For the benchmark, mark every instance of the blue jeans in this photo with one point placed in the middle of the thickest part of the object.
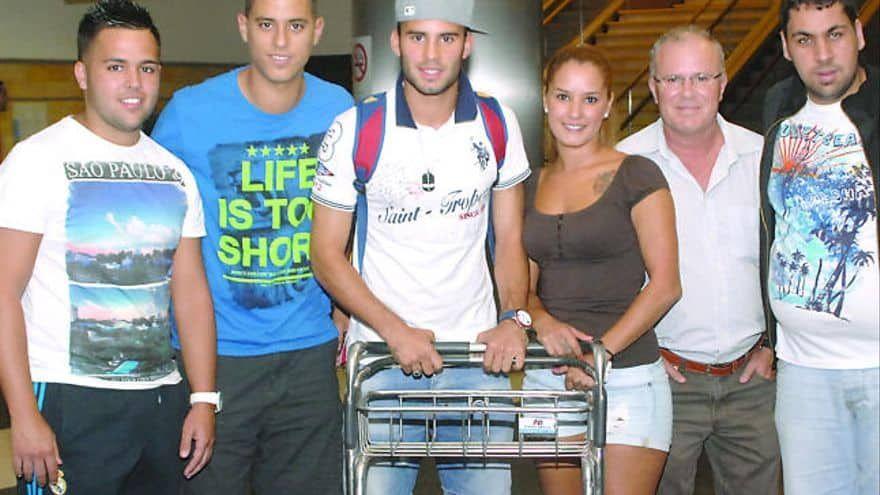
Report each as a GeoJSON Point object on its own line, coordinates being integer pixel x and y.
{"type": "Point", "coordinates": [398, 477]}
{"type": "Point", "coordinates": [829, 436]}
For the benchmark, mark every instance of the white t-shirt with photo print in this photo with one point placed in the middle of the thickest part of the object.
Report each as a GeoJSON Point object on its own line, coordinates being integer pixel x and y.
{"type": "Point", "coordinates": [97, 307]}
{"type": "Point", "coordinates": [824, 283]}
{"type": "Point", "coordinates": [428, 212]}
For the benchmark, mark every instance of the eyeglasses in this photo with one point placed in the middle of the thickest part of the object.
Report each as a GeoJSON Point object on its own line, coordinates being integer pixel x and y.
{"type": "Point", "coordinates": [698, 80]}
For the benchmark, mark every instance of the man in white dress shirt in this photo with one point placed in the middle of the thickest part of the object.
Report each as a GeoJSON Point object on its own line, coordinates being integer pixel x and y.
{"type": "Point", "coordinates": [712, 340]}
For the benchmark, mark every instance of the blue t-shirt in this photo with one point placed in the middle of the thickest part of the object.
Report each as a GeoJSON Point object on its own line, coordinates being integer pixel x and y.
{"type": "Point", "coordinates": [254, 171]}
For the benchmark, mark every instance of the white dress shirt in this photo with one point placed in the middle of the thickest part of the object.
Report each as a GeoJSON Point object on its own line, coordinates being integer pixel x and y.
{"type": "Point", "coordinates": [719, 316]}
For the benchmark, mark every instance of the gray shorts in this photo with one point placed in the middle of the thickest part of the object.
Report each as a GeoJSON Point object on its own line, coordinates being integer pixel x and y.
{"type": "Point", "coordinates": [280, 430]}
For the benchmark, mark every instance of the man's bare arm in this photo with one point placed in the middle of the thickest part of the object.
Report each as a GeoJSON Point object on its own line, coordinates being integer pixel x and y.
{"type": "Point", "coordinates": [507, 341]}
{"type": "Point", "coordinates": [194, 315]}
{"type": "Point", "coordinates": [34, 449]}
{"type": "Point", "coordinates": [511, 263]}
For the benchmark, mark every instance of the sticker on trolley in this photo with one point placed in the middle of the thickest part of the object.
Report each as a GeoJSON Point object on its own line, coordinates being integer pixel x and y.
{"type": "Point", "coordinates": [537, 426]}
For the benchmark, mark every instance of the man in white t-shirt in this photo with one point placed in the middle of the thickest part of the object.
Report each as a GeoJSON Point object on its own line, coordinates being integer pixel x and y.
{"type": "Point", "coordinates": [99, 232]}
{"type": "Point", "coordinates": [819, 254]}
{"type": "Point", "coordinates": [421, 242]}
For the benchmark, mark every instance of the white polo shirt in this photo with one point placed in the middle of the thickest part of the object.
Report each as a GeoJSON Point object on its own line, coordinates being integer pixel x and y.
{"type": "Point", "coordinates": [719, 316]}
{"type": "Point", "coordinates": [428, 212]}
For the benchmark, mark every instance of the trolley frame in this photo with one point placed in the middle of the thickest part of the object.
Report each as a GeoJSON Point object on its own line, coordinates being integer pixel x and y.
{"type": "Point", "coordinates": [478, 406]}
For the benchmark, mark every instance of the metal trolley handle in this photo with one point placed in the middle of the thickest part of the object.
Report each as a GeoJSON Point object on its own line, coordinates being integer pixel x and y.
{"type": "Point", "coordinates": [460, 353]}
{"type": "Point", "coordinates": [466, 353]}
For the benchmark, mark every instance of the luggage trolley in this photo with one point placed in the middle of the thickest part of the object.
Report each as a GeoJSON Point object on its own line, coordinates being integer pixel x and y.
{"type": "Point", "coordinates": [533, 412]}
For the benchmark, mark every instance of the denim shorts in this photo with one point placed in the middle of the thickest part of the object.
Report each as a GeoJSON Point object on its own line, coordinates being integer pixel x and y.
{"type": "Point", "coordinates": [639, 405]}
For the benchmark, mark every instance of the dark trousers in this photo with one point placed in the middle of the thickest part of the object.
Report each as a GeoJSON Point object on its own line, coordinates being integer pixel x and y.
{"type": "Point", "coordinates": [734, 423]}
{"type": "Point", "coordinates": [115, 442]}
{"type": "Point", "coordinates": [280, 430]}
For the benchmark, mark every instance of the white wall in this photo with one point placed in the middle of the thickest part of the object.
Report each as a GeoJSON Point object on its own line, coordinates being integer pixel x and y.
{"type": "Point", "coordinates": [192, 30]}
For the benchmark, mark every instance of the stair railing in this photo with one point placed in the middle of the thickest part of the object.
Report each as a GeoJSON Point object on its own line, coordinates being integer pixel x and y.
{"type": "Point", "coordinates": [869, 8]}
{"type": "Point", "coordinates": [753, 40]}
{"type": "Point", "coordinates": [552, 8]}
{"type": "Point", "coordinates": [749, 46]}
{"type": "Point", "coordinates": [633, 111]}
{"type": "Point", "coordinates": [605, 16]}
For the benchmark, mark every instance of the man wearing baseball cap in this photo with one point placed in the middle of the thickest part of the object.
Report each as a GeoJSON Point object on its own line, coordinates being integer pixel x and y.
{"type": "Point", "coordinates": [421, 273]}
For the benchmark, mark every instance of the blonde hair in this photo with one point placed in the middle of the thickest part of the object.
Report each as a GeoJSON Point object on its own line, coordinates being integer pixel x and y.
{"type": "Point", "coordinates": [678, 34]}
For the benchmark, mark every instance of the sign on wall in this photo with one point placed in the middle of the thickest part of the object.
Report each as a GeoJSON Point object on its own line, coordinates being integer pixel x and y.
{"type": "Point", "coordinates": [361, 53]}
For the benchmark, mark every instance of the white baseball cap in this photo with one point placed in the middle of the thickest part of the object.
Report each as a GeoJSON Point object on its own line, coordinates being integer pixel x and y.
{"type": "Point", "coordinates": [459, 12]}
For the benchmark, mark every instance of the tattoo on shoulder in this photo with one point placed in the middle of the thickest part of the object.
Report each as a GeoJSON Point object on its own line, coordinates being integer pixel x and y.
{"type": "Point", "coordinates": [602, 182]}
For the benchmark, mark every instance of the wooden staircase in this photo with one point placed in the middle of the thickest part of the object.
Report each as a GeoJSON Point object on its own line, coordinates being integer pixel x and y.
{"type": "Point", "coordinates": [746, 28]}
{"type": "Point", "coordinates": [744, 97]}
{"type": "Point", "coordinates": [626, 36]}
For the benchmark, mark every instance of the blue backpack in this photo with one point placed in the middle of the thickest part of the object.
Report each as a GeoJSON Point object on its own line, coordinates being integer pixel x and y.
{"type": "Point", "coordinates": [370, 137]}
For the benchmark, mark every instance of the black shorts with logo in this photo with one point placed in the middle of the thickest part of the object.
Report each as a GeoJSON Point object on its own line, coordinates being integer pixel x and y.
{"type": "Point", "coordinates": [280, 430]}
{"type": "Point", "coordinates": [114, 442]}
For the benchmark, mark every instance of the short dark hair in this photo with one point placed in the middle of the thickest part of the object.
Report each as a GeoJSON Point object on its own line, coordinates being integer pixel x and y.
{"type": "Point", "coordinates": [250, 3]}
{"type": "Point", "coordinates": [467, 30]}
{"type": "Point", "coordinates": [849, 6]}
{"type": "Point", "coordinates": [107, 14]}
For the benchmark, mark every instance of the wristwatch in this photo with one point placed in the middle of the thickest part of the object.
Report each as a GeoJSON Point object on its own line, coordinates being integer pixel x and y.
{"type": "Point", "coordinates": [519, 316]}
{"type": "Point", "coordinates": [214, 398]}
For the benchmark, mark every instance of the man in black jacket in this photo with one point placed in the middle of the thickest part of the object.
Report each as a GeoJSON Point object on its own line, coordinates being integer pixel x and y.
{"type": "Point", "coordinates": [819, 251]}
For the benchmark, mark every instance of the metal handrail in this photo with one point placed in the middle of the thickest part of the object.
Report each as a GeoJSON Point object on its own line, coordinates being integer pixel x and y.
{"type": "Point", "coordinates": [644, 101]}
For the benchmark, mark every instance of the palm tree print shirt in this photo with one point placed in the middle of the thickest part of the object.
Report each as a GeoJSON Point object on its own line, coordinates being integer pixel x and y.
{"type": "Point", "coordinates": [824, 280]}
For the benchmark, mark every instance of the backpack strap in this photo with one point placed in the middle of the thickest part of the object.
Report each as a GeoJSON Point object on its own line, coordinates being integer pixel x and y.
{"type": "Point", "coordinates": [368, 140]}
{"type": "Point", "coordinates": [496, 131]}
{"type": "Point", "coordinates": [495, 125]}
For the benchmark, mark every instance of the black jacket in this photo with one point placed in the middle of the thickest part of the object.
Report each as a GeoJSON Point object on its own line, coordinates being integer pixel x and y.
{"type": "Point", "coordinates": [783, 100]}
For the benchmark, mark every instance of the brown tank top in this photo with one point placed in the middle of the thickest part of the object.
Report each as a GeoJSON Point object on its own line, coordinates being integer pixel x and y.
{"type": "Point", "coordinates": [590, 261]}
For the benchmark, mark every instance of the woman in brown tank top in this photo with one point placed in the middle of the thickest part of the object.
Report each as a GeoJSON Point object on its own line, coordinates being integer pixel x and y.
{"type": "Point", "coordinates": [597, 221]}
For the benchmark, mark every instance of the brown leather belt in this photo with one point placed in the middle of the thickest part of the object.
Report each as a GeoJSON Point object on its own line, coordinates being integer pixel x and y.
{"type": "Point", "coordinates": [717, 369]}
